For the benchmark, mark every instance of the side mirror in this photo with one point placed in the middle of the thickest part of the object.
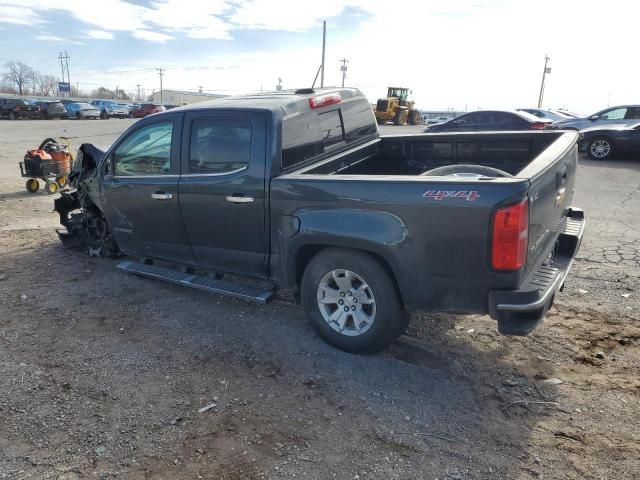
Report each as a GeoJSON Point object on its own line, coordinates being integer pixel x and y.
{"type": "Point", "coordinates": [593, 118]}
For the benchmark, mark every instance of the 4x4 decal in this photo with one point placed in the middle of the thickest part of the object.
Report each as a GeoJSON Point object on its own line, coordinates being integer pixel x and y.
{"type": "Point", "coordinates": [470, 195]}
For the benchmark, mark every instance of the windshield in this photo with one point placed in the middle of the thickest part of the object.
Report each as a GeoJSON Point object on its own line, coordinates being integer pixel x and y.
{"type": "Point", "coordinates": [398, 92]}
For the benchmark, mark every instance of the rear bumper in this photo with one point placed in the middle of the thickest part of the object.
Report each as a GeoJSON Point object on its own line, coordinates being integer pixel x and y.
{"type": "Point", "coordinates": [520, 311]}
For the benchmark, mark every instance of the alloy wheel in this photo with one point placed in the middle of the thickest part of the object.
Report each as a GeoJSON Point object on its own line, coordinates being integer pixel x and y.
{"type": "Point", "coordinates": [346, 302]}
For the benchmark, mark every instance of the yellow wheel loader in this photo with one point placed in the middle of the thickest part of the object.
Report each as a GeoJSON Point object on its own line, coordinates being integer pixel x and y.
{"type": "Point", "coordinates": [397, 108]}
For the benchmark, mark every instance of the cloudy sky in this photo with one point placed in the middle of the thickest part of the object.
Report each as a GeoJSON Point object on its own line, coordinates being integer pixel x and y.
{"type": "Point", "coordinates": [452, 53]}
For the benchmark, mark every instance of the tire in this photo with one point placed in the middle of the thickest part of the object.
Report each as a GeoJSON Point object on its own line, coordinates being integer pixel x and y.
{"type": "Point", "coordinates": [397, 118]}
{"type": "Point", "coordinates": [600, 148]}
{"type": "Point", "coordinates": [78, 116]}
{"type": "Point", "coordinates": [32, 185]}
{"type": "Point", "coordinates": [378, 301]}
{"type": "Point", "coordinates": [104, 115]}
{"type": "Point", "coordinates": [12, 115]}
{"type": "Point", "coordinates": [62, 180]}
{"type": "Point", "coordinates": [414, 117]}
{"type": "Point", "coordinates": [51, 187]}
{"type": "Point", "coordinates": [130, 115]}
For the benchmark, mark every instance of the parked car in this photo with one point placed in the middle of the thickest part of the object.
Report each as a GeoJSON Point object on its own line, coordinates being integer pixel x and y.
{"type": "Point", "coordinates": [81, 110]}
{"type": "Point", "coordinates": [601, 143]}
{"type": "Point", "coordinates": [433, 121]}
{"type": "Point", "coordinates": [14, 108]}
{"type": "Point", "coordinates": [145, 109]}
{"type": "Point", "coordinates": [621, 115]}
{"type": "Point", "coordinates": [51, 109]}
{"type": "Point", "coordinates": [544, 113]}
{"type": "Point", "coordinates": [566, 113]}
{"type": "Point", "coordinates": [110, 108]}
{"type": "Point", "coordinates": [491, 120]}
{"type": "Point", "coordinates": [299, 190]}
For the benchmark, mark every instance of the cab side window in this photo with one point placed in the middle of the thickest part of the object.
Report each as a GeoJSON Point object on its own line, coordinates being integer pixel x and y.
{"type": "Point", "coordinates": [146, 152]}
{"type": "Point", "coordinates": [219, 145]}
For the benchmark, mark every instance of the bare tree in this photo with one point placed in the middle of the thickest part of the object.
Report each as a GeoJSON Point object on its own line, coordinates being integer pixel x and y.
{"type": "Point", "coordinates": [47, 85]}
{"type": "Point", "coordinates": [19, 74]}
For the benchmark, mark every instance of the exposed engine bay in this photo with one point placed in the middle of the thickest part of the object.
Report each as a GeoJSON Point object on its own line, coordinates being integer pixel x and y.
{"type": "Point", "coordinates": [85, 226]}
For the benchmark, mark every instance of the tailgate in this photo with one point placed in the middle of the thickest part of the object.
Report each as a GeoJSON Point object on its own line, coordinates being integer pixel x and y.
{"type": "Point", "coordinates": [552, 178]}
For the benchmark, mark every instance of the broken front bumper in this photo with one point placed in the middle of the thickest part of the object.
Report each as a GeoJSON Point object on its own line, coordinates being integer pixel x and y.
{"type": "Point", "coordinates": [520, 311]}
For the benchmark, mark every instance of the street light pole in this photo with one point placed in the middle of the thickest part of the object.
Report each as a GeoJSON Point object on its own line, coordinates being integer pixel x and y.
{"type": "Point", "coordinates": [544, 73]}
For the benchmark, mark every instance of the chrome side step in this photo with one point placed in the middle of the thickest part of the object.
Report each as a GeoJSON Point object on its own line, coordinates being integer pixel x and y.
{"type": "Point", "coordinates": [198, 281]}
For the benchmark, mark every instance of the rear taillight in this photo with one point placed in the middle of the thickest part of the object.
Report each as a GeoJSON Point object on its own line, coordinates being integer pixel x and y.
{"type": "Point", "coordinates": [325, 100]}
{"type": "Point", "coordinates": [538, 125]}
{"type": "Point", "coordinates": [510, 237]}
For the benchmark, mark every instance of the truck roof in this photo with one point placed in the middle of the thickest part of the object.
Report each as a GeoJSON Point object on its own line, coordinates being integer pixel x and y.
{"type": "Point", "coordinates": [288, 101]}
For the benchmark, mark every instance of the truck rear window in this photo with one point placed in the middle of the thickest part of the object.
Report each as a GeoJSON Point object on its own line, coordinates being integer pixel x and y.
{"type": "Point", "coordinates": [313, 134]}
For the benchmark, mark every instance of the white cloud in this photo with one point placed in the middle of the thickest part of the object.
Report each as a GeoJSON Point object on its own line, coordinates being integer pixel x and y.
{"type": "Point", "coordinates": [287, 15]}
{"type": "Point", "coordinates": [17, 14]}
{"type": "Point", "coordinates": [49, 38]}
{"type": "Point", "coordinates": [100, 35]}
{"type": "Point", "coordinates": [194, 18]}
{"type": "Point", "coordinates": [150, 36]}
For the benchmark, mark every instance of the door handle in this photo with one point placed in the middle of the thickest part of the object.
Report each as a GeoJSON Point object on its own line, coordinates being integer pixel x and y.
{"type": "Point", "coordinates": [161, 196]}
{"type": "Point", "coordinates": [239, 199]}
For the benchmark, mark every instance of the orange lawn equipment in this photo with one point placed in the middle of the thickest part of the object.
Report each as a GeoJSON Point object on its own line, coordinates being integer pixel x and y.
{"type": "Point", "coordinates": [50, 162]}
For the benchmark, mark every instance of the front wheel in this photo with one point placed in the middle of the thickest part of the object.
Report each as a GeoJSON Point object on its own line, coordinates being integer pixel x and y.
{"type": "Point", "coordinates": [32, 185]}
{"type": "Point", "coordinates": [600, 148]}
{"type": "Point", "coordinates": [414, 117]}
{"type": "Point", "coordinates": [351, 301]}
{"type": "Point", "coordinates": [51, 187]}
{"type": "Point", "coordinates": [12, 116]}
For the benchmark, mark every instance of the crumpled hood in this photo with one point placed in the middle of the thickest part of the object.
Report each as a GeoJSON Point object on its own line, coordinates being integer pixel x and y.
{"type": "Point", "coordinates": [85, 162]}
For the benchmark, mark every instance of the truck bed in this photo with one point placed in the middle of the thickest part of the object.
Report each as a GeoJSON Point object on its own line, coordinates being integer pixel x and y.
{"type": "Point", "coordinates": [417, 154]}
{"type": "Point", "coordinates": [374, 199]}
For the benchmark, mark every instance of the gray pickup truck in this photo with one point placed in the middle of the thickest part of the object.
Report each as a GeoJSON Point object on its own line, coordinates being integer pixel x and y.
{"type": "Point", "coordinates": [297, 190]}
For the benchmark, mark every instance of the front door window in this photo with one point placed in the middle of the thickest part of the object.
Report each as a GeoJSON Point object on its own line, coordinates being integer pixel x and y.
{"type": "Point", "coordinates": [147, 152]}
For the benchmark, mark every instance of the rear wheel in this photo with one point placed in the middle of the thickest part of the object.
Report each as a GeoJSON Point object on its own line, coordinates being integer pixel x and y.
{"type": "Point", "coordinates": [351, 301]}
{"type": "Point", "coordinates": [32, 185]}
{"type": "Point", "coordinates": [600, 148]}
{"type": "Point", "coordinates": [51, 187]}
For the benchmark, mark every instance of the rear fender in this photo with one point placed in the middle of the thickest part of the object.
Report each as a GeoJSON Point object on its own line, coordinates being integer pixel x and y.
{"type": "Point", "coordinates": [380, 233]}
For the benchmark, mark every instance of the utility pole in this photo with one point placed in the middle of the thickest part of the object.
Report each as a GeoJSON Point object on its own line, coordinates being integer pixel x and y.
{"type": "Point", "coordinates": [64, 65]}
{"type": "Point", "coordinates": [160, 73]}
{"type": "Point", "coordinates": [544, 74]}
{"type": "Point", "coordinates": [343, 69]}
{"type": "Point", "coordinates": [324, 43]}
{"type": "Point", "coordinates": [138, 85]}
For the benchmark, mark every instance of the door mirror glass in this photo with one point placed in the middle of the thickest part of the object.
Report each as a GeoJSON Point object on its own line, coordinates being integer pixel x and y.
{"type": "Point", "coordinates": [593, 118]}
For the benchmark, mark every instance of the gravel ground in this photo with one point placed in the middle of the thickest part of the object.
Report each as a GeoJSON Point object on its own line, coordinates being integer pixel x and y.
{"type": "Point", "coordinates": [103, 375]}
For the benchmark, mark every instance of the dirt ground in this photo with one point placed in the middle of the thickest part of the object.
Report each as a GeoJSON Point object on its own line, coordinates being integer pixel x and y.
{"type": "Point", "coordinates": [103, 375]}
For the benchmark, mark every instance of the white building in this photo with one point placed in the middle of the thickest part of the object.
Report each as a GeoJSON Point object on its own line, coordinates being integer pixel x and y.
{"type": "Point", "coordinates": [182, 97]}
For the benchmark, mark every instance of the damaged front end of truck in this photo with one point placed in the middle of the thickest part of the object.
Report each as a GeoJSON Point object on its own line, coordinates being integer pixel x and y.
{"type": "Point", "coordinates": [84, 226]}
